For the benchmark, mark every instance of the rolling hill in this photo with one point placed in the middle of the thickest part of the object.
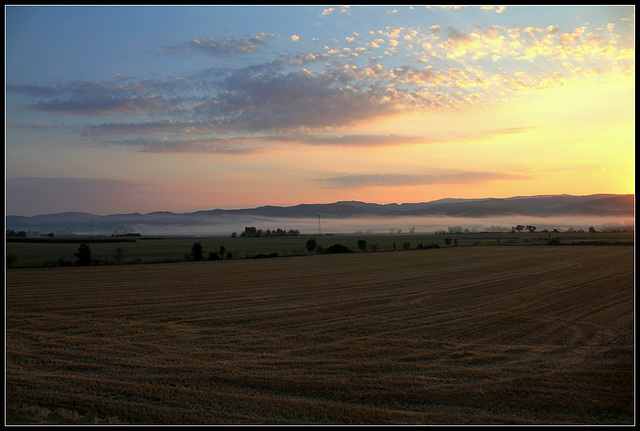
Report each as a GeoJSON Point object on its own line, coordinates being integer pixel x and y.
{"type": "Point", "coordinates": [599, 205]}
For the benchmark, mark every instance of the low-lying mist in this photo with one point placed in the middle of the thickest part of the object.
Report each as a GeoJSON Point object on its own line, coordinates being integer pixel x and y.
{"type": "Point", "coordinates": [226, 225]}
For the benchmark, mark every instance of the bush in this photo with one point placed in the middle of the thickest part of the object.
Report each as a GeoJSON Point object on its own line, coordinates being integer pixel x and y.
{"type": "Point", "coordinates": [554, 241]}
{"type": "Point", "coordinates": [339, 248]}
{"type": "Point", "coordinates": [119, 256]}
{"type": "Point", "coordinates": [264, 256]}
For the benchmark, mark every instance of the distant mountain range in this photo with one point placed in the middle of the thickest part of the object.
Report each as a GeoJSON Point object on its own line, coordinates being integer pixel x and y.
{"type": "Point", "coordinates": [599, 205]}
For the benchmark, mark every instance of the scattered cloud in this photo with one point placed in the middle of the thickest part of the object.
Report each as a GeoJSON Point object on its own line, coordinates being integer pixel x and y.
{"type": "Point", "coordinates": [496, 9]}
{"type": "Point", "coordinates": [333, 87]}
{"type": "Point", "coordinates": [230, 45]}
{"type": "Point", "coordinates": [294, 101]}
{"type": "Point", "coordinates": [331, 10]}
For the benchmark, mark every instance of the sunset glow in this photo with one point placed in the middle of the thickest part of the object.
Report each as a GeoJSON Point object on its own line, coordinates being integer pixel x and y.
{"type": "Point", "coordinates": [156, 108]}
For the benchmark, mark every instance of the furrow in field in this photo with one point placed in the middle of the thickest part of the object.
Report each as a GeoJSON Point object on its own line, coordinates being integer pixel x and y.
{"type": "Point", "coordinates": [477, 335]}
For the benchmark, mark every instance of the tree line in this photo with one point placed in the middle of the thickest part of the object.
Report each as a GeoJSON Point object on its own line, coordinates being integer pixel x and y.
{"type": "Point", "coordinates": [253, 232]}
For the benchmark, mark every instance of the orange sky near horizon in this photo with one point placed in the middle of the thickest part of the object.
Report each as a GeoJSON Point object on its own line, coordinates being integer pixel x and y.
{"type": "Point", "coordinates": [565, 140]}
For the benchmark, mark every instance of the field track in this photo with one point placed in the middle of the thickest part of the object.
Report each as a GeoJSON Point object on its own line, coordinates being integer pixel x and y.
{"type": "Point", "coordinates": [478, 335]}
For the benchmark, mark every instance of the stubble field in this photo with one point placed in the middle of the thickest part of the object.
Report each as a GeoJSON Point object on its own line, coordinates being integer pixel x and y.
{"type": "Point", "coordinates": [468, 335]}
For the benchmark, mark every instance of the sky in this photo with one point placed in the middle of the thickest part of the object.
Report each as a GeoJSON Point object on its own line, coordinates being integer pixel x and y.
{"type": "Point", "coordinates": [121, 109]}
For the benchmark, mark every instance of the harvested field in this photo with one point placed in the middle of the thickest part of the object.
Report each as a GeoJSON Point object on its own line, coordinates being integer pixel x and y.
{"type": "Point", "coordinates": [478, 335]}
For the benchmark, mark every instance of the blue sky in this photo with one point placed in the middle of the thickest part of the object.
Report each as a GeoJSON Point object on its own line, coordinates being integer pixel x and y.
{"type": "Point", "coordinates": [124, 109]}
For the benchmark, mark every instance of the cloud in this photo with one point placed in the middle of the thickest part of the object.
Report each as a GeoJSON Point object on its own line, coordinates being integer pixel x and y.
{"type": "Point", "coordinates": [331, 10]}
{"type": "Point", "coordinates": [32, 126]}
{"type": "Point", "coordinates": [460, 44]}
{"type": "Point", "coordinates": [164, 144]}
{"type": "Point", "coordinates": [511, 130]}
{"type": "Point", "coordinates": [98, 98]}
{"type": "Point", "coordinates": [148, 127]}
{"type": "Point", "coordinates": [351, 140]}
{"type": "Point", "coordinates": [397, 180]}
{"type": "Point", "coordinates": [230, 45]}
{"type": "Point", "coordinates": [232, 146]}
{"type": "Point", "coordinates": [314, 91]}
{"type": "Point", "coordinates": [32, 90]}
{"type": "Point", "coordinates": [98, 106]}
{"type": "Point", "coordinates": [497, 9]}
{"type": "Point", "coordinates": [297, 100]}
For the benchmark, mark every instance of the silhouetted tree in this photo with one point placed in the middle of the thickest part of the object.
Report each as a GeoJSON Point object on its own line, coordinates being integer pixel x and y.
{"type": "Point", "coordinates": [311, 244]}
{"type": "Point", "coordinates": [196, 251]}
{"type": "Point", "coordinates": [83, 255]}
{"type": "Point", "coordinates": [249, 232]}
{"type": "Point", "coordinates": [12, 233]}
{"type": "Point", "coordinates": [222, 250]}
{"type": "Point", "coordinates": [362, 244]}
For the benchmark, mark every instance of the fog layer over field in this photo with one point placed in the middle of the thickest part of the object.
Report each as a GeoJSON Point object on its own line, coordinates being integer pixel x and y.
{"type": "Point", "coordinates": [225, 225]}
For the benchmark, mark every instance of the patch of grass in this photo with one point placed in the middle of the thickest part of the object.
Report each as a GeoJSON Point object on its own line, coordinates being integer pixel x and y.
{"type": "Point", "coordinates": [106, 251]}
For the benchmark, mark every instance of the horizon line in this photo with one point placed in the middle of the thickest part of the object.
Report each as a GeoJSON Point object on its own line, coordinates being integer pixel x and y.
{"type": "Point", "coordinates": [317, 203]}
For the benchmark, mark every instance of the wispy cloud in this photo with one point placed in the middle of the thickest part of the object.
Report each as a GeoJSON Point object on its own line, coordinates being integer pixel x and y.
{"type": "Point", "coordinates": [96, 98]}
{"type": "Point", "coordinates": [32, 90]}
{"type": "Point", "coordinates": [397, 180]}
{"type": "Point", "coordinates": [351, 140]}
{"type": "Point", "coordinates": [172, 144]}
{"type": "Point", "coordinates": [184, 128]}
{"type": "Point", "coordinates": [235, 146]}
